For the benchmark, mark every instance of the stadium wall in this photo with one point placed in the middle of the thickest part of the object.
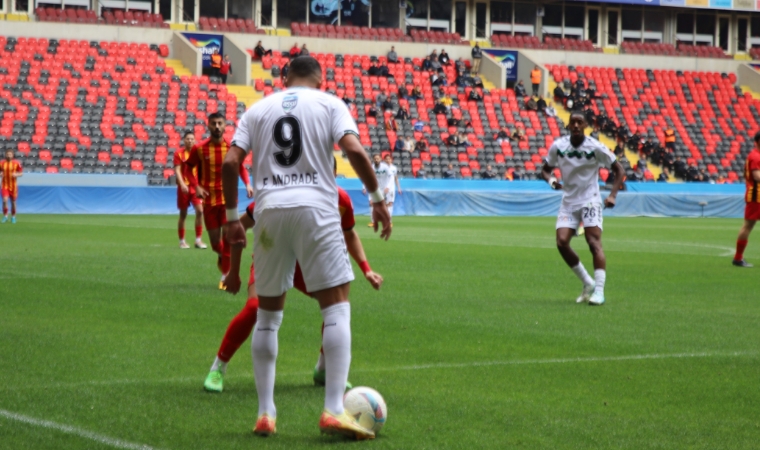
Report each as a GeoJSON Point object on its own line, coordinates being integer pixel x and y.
{"type": "Point", "coordinates": [419, 198]}
{"type": "Point", "coordinates": [493, 71]}
{"type": "Point", "coordinates": [240, 60]}
{"type": "Point", "coordinates": [749, 76]}
{"type": "Point", "coordinates": [186, 52]}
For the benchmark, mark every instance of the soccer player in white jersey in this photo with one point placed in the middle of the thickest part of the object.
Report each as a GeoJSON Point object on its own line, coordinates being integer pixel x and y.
{"type": "Point", "coordinates": [381, 173]}
{"type": "Point", "coordinates": [392, 184]}
{"type": "Point", "coordinates": [292, 134]}
{"type": "Point", "coordinates": [579, 158]}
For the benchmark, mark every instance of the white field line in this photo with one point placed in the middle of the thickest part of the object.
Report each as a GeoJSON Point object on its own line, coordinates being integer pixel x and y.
{"type": "Point", "coordinates": [100, 438]}
{"type": "Point", "coordinates": [517, 362]}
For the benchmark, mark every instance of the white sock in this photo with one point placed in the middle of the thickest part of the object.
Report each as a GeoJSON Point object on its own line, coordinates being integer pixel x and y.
{"type": "Point", "coordinates": [181, 241]}
{"type": "Point", "coordinates": [320, 362]}
{"type": "Point", "coordinates": [601, 277]}
{"type": "Point", "coordinates": [336, 343]}
{"type": "Point", "coordinates": [390, 210]}
{"type": "Point", "coordinates": [219, 365]}
{"type": "Point", "coordinates": [198, 239]}
{"type": "Point", "coordinates": [582, 274]}
{"type": "Point", "coordinates": [264, 351]}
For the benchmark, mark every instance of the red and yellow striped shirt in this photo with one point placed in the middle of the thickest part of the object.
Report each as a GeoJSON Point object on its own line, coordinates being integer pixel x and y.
{"type": "Point", "coordinates": [752, 164]}
{"type": "Point", "coordinates": [208, 158]}
{"type": "Point", "coordinates": [8, 168]}
{"type": "Point", "coordinates": [180, 157]}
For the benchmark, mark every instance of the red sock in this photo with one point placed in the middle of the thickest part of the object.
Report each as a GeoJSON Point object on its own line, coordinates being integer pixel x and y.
{"type": "Point", "coordinates": [239, 329]}
{"type": "Point", "coordinates": [217, 247]}
{"type": "Point", "coordinates": [181, 233]}
{"type": "Point", "coordinates": [741, 244]}
{"type": "Point", "coordinates": [198, 232]}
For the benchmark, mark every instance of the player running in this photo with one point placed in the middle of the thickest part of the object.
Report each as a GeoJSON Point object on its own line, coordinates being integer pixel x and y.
{"type": "Point", "coordinates": [393, 183]}
{"type": "Point", "coordinates": [208, 157]}
{"type": "Point", "coordinates": [186, 193]}
{"type": "Point", "coordinates": [292, 134]}
{"type": "Point", "coordinates": [752, 197]}
{"type": "Point", "coordinates": [579, 158]}
{"type": "Point", "coordinates": [381, 173]}
{"type": "Point", "coordinates": [241, 326]}
{"type": "Point", "coordinates": [10, 170]}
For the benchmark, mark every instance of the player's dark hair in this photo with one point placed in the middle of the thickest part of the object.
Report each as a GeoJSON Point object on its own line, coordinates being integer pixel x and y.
{"type": "Point", "coordinates": [305, 67]}
{"type": "Point", "coordinates": [579, 114]}
{"type": "Point", "coordinates": [757, 136]}
{"type": "Point", "coordinates": [214, 116]}
{"type": "Point", "coordinates": [189, 132]}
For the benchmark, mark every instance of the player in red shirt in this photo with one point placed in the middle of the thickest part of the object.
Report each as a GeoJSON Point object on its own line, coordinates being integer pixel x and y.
{"type": "Point", "coordinates": [752, 197]}
{"type": "Point", "coordinates": [10, 170]}
{"type": "Point", "coordinates": [241, 326]}
{"type": "Point", "coordinates": [186, 193]}
{"type": "Point", "coordinates": [208, 157]}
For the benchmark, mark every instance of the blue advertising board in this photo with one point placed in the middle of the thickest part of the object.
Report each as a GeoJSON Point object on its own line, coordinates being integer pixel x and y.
{"type": "Point", "coordinates": [508, 59]}
{"type": "Point", "coordinates": [207, 43]}
{"type": "Point", "coordinates": [720, 3]}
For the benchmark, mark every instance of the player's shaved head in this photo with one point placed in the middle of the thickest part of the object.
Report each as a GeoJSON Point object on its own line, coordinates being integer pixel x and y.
{"type": "Point", "coordinates": [304, 71]}
{"type": "Point", "coordinates": [757, 137]}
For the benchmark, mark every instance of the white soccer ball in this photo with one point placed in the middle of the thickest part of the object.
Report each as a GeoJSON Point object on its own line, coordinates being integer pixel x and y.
{"type": "Point", "coordinates": [367, 406]}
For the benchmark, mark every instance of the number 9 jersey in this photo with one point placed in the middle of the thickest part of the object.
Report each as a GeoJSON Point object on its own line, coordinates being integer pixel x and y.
{"type": "Point", "coordinates": [292, 135]}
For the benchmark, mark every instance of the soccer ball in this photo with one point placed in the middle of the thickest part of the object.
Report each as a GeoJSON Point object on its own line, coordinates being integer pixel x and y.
{"type": "Point", "coordinates": [367, 406]}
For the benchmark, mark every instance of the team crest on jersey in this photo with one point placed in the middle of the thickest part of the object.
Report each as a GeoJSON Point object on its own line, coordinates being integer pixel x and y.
{"type": "Point", "coordinates": [289, 103]}
{"type": "Point", "coordinates": [576, 154]}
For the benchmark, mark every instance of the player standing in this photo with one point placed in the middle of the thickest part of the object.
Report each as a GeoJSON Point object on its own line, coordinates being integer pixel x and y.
{"type": "Point", "coordinates": [292, 134]}
{"type": "Point", "coordinates": [208, 157]}
{"type": "Point", "coordinates": [579, 158]}
{"type": "Point", "coordinates": [241, 326]}
{"type": "Point", "coordinates": [392, 184]}
{"type": "Point", "coordinates": [752, 197]}
{"type": "Point", "coordinates": [10, 170]}
{"type": "Point", "coordinates": [186, 192]}
{"type": "Point", "coordinates": [381, 173]}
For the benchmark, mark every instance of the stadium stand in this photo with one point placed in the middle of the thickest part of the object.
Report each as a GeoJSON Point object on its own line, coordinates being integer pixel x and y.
{"type": "Point", "coordinates": [711, 116]}
{"type": "Point", "coordinates": [100, 107]}
{"type": "Point", "coordinates": [374, 34]}
{"type": "Point", "coordinates": [699, 51]}
{"type": "Point", "coordinates": [117, 17]}
{"type": "Point", "coordinates": [550, 43]}
{"type": "Point", "coordinates": [229, 25]}
{"type": "Point", "coordinates": [345, 75]}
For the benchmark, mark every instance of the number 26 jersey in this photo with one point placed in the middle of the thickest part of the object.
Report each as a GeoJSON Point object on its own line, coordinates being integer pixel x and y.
{"type": "Point", "coordinates": [292, 134]}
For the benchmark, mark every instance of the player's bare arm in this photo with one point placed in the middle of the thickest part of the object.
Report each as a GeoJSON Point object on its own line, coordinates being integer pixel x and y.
{"type": "Point", "coordinates": [230, 173]}
{"type": "Point", "coordinates": [360, 162]}
{"type": "Point", "coordinates": [756, 175]}
{"type": "Point", "coordinates": [398, 185]}
{"type": "Point", "coordinates": [356, 250]}
{"type": "Point", "coordinates": [617, 168]}
{"type": "Point", "coordinates": [180, 181]}
{"type": "Point", "coordinates": [548, 176]}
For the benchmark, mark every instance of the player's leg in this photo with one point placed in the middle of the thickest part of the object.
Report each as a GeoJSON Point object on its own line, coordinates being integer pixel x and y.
{"type": "Point", "coordinates": [198, 206]}
{"type": "Point", "coordinates": [5, 207]}
{"type": "Point", "coordinates": [181, 228]}
{"type": "Point", "coordinates": [594, 240]}
{"type": "Point", "coordinates": [371, 219]}
{"type": "Point", "coordinates": [567, 223]}
{"type": "Point", "coordinates": [13, 209]}
{"type": "Point", "coordinates": [237, 332]}
{"type": "Point", "coordinates": [390, 208]}
{"type": "Point", "coordinates": [741, 243]}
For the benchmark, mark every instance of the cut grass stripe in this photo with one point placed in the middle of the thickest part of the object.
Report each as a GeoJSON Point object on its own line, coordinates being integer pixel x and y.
{"type": "Point", "coordinates": [102, 439]}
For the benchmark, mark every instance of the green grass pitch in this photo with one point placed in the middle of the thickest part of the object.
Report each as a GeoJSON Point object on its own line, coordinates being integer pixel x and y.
{"type": "Point", "coordinates": [475, 340]}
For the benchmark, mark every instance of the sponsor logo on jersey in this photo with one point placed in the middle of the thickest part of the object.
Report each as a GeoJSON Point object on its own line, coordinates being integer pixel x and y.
{"type": "Point", "coordinates": [289, 103]}
{"type": "Point", "coordinates": [576, 154]}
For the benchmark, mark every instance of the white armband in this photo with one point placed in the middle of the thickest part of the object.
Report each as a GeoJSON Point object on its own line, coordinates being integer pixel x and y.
{"type": "Point", "coordinates": [552, 180]}
{"type": "Point", "coordinates": [232, 214]}
{"type": "Point", "coordinates": [377, 196]}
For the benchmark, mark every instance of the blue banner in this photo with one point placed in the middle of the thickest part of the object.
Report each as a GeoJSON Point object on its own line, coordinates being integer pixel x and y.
{"type": "Point", "coordinates": [207, 43]}
{"type": "Point", "coordinates": [672, 2]}
{"type": "Point", "coordinates": [508, 59]}
{"type": "Point", "coordinates": [720, 4]}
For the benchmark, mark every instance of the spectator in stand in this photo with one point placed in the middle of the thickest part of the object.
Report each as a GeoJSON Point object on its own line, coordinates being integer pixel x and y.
{"type": "Point", "coordinates": [426, 63]}
{"type": "Point", "coordinates": [402, 113]}
{"type": "Point", "coordinates": [489, 173]}
{"type": "Point", "coordinates": [647, 148]}
{"type": "Point", "coordinates": [285, 70]}
{"type": "Point", "coordinates": [550, 110]}
{"type": "Point", "coordinates": [435, 64]}
{"type": "Point", "coordinates": [383, 71]}
{"type": "Point", "coordinates": [520, 90]}
{"type": "Point", "coordinates": [670, 139]}
{"type": "Point", "coordinates": [304, 50]}
{"type": "Point", "coordinates": [462, 80]}
{"type": "Point", "coordinates": [373, 70]}
{"type": "Point", "coordinates": [509, 174]}
{"type": "Point", "coordinates": [588, 111]}
{"type": "Point", "coordinates": [419, 126]}
{"type": "Point", "coordinates": [216, 63]}
{"type": "Point", "coordinates": [535, 79]}
{"type": "Point", "coordinates": [619, 150]}
{"type": "Point", "coordinates": [421, 173]}
{"type": "Point", "coordinates": [680, 168]}
{"type": "Point", "coordinates": [449, 172]}
{"type": "Point", "coordinates": [259, 51]}
{"type": "Point", "coordinates": [475, 96]}
{"type": "Point", "coordinates": [372, 111]}
{"type": "Point", "coordinates": [668, 161]}
{"type": "Point", "coordinates": [531, 104]}
{"type": "Point", "coordinates": [692, 173]}
{"type": "Point", "coordinates": [417, 93]}
{"type": "Point", "coordinates": [559, 94]}
{"type": "Point", "coordinates": [477, 82]}
{"type": "Point", "coordinates": [663, 178]}
{"type": "Point", "coordinates": [225, 69]}
{"type": "Point", "coordinates": [463, 141]}
{"type": "Point", "coordinates": [387, 104]}
{"type": "Point", "coordinates": [440, 108]}
{"type": "Point", "coordinates": [409, 144]}
{"type": "Point", "coordinates": [541, 104]}
{"type": "Point", "coordinates": [518, 135]}
{"type": "Point", "coordinates": [453, 140]}
{"type": "Point", "coordinates": [477, 54]}
{"type": "Point", "coordinates": [502, 135]}
{"type": "Point", "coordinates": [294, 51]}
{"type": "Point", "coordinates": [347, 100]}
{"type": "Point", "coordinates": [460, 65]}
{"type": "Point", "coordinates": [438, 78]}
{"type": "Point", "coordinates": [446, 101]}
{"type": "Point", "coordinates": [390, 124]}
{"type": "Point", "coordinates": [444, 58]}
{"type": "Point", "coordinates": [392, 56]}
{"type": "Point", "coordinates": [403, 93]}
{"type": "Point", "coordinates": [421, 146]}
{"type": "Point", "coordinates": [400, 145]}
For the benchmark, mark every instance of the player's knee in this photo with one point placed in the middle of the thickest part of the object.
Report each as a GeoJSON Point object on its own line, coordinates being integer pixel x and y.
{"type": "Point", "coordinates": [563, 242]}
{"type": "Point", "coordinates": [595, 246]}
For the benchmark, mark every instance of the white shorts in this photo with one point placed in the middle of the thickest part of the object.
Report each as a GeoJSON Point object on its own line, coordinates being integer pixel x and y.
{"type": "Point", "coordinates": [390, 197]}
{"type": "Point", "coordinates": [590, 215]}
{"type": "Point", "coordinates": [311, 236]}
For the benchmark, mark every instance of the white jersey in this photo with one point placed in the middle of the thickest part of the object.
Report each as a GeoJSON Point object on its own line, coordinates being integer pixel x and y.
{"type": "Point", "coordinates": [292, 135]}
{"type": "Point", "coordinates": [580, 169]}
{"type": "Point", "coordinates": [382, 172]}
{"type": "Point", "coordinates": [392, 174]}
